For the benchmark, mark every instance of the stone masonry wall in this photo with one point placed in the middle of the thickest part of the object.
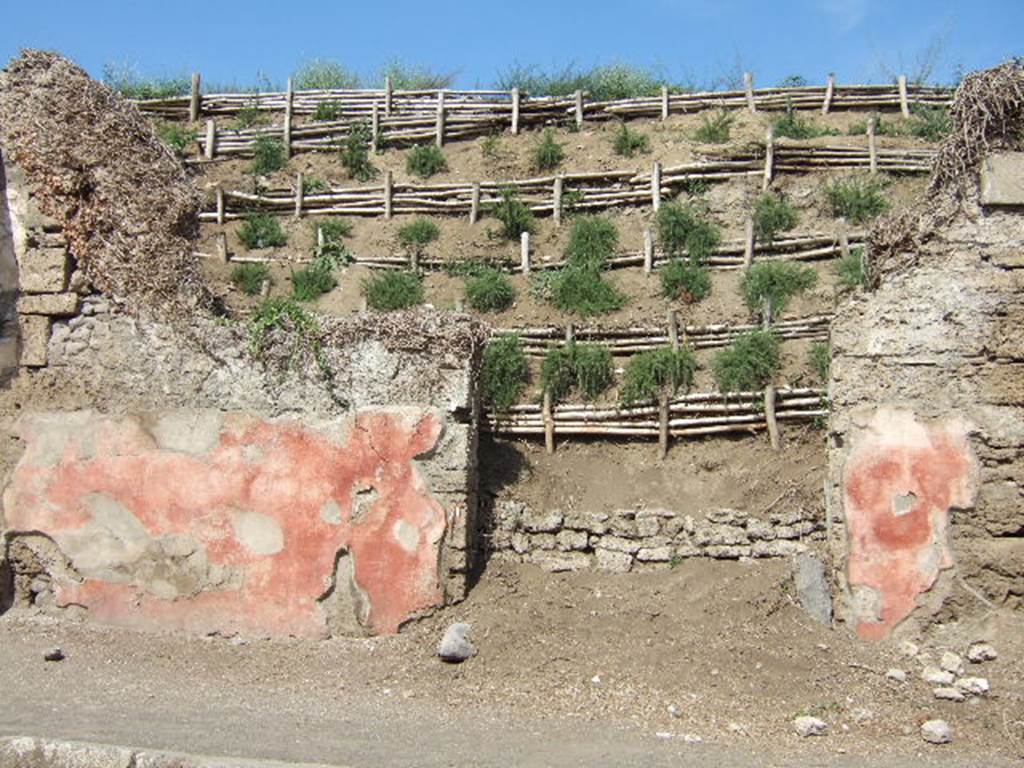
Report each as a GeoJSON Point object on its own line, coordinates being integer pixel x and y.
{"type": "Point", "coordinates": [644, 539]}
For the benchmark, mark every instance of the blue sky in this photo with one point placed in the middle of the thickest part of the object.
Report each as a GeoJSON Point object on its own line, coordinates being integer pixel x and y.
{"type": "Point", "coordinates": [695, 40]}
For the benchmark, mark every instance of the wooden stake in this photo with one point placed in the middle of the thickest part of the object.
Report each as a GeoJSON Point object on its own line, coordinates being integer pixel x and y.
{"type": "Point", "coordinates": [663, 424]}
{"type": "Point", "coordinates": [673, 329]}
{"type": "Point", "coordinates": [474, 203]}
{"type": "Point", "coordinates": [414, 260]}
{"type": "Point", "coordinates": [872, 149]}
{"type": "Point", "coordinates": [579, 109]}
{"type": "Point", "coordinates": [220, 204]}
{"type": "Point", "coordinates": [556, 201]}
{"type": "Point", "coordinates": [222, 247]}
{"type": "Point", "coordinates": [664, 102]}
{"type": "Point", "coordinates": [299, 195]}
{"type": "Point", "coordinates": [460, 305]}
{"type": "Point", "coordinates": [830, 87]}
{"type": "Point", "coordinates": [549, 424]}
{"type": "Point", "coordinates": [904, 102]}
{"type": "Point", "coordinates": [363, 306]}
{"type": "Point", "coordinates": [289, 103]}
{"type": "Point", "coordinates": [264, 289]}
{"type": "Point", "coordinates": [648, 251]}
{"type": "Point", "coordinates": [748, 86]}
{"type": "Point", "coordinates": [387, 95]}
{"type": "Point", "coordinates": [766, 312]}
{"type": "Point", "coordinates": [388, 183]}
{"type": "Point", "coordinates": [195, 103]}
{"type": "Point", "coordinates": [769, 158]}
{"type": "Point", "coordinates": [656, 186]}
{"type": "Point", "coordinates": [515, 111]}
{"type": "Point", "coordinates": [844, 245]}
{"type": "Point", "coordinates": [320, 241]}
{"type": "Point", "coordinates": [211, 138]}
{"type": "Point", "coordinates": [439, 128]}
{"type": "Point", "coordinates": [570, 333]}
{"type": "Point", "coordinates": [748, 243]}
{"type": "Point", "coordinates": [769, 416]}
{"type": "Point", "coordinates": [524, 252]}
{"type": "Point", "coordinates": [375, 129]}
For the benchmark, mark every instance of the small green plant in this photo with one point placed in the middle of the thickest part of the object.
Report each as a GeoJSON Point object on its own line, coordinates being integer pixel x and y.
{"type": "Point", "coordinates": [773, 214]}
{"type": "Point", "coordinates": [425, 160]}
{"type": "Point", "coordinates": [127, 81]}
{"type": "Point", "coordinates": [490, 146]}
{"type": "Point", "coordinates": [268, 155]}
{"type": "Point", "coordinates": [611, 81]}
{"type": "Point", "coordinates": [883, 127]}
{"type": "Point", "coordinates": [418, 234]}
{"type": "Point", "coordinates": [312, 282]}
{"type": "Point", "coordinates": [326, 111]}
{"type": "Point", "coordinates": [312, 185]}
{"type": "Point", "coordinates": [334, 229]}
{"type": "Point", "coordinates": [649, 373]}
{"type": "Point", "coordinates": [930, 123]}
{"type": "Point", "coordinates": [850, 269]}
{"type": "Point", "coordinates": [682, 227]}
{"type": "Point", "coordinates": [355, 152]}
{"type": "Point", "coordinates": [249, 277]}
{"type": "Point", "coordinates": [323, 74]}
{"type": "Point", "coordinates": [392, 290]}
{"type": "Point", "coordinates": [415, 77]}
{"type": "Point", "coordinates": [469, 267]}
{"type": "Point", "coordinates": [749, 363]}
{"type": "Point", "coordinates": [792, 125]}
{"type": "Point", "coordinates": [571, 198]}
{"type": "Point", "coordinates": [280, 313]}
{"type": "Point", "coordinates": [628, 142]}
{"type": "Point", "coordinates": [515, 215]}
{"type": "Point", "coordinates": [249, 116]}
{"type": "Point", "coordinates": [777, 281]}
{"type": "Point", "coordinates": [858, 199]}
{"type": "Point", "coordinates": [685, 280]}
{"type": "Point", "coordinates": [715, 128]}
{"type": "Point", "coordinates": [582, 291]}
{"type": "Point", "coordinates": [819, 357]}
{"type": "Point", "coordinates": [489, 291]}
{"type": "Point", "coordinates": [503, 372]}
{"type": "Point", "coordinates": [175, 136]}
{"type": "Point", "coordinates": [587, 367]}
{"type": "Point", "coordinates": [592, 241]}
{"type": "Point", "coordinates": [261, 230]}
{"type": "Point", "coordinates": [548, 153]}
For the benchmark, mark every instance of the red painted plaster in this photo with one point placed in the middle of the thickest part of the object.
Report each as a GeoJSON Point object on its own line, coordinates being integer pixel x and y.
{"type": "Point", "coordinates": [900, 555]}
{"type": "Point", "coordinates": [282, 469]}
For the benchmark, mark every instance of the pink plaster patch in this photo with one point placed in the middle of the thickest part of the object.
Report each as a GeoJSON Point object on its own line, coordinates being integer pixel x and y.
{"type": "Point", "coordinates": [263, 511]}
{"type": "Point", "coordinates": [900, 481]}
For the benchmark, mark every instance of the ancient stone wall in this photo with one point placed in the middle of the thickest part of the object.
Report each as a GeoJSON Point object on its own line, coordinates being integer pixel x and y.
{"type": "Point", "coordinates": [644, 539]}
{"type": "Point", "coordinates": [927, 431]}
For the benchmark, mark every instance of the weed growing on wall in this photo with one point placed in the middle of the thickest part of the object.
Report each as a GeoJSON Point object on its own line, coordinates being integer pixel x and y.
{"type": "Point", "coordinates": [503, 372]}
{"type": "Point", "coordinates": [547, 153]}
{"type": "Point", "coordinates": [749, 363]}
{"type": "Point", "coordinates": [773, 214]}
{"type": "Point", "coordinates": [261, 230]}
{"type": "Point", "coordinates": [489, 290]}
{"type": "Point", "coordinates": [249, 277]}
{"type": "Point", "coordinates": [686, 281]}
{"type": "Point", "coordinates": [778, 281]}
{"type": "Point", "coordinates": [391, 290]}
{"type": "Point", "coordinates": [858, 199]}
{"type": "Point", "coordinates": [649, 373]}
{"type": "Point", "coordinates": [424, 160]}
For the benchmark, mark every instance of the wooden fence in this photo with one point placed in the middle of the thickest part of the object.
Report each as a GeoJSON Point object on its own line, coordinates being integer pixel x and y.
{"type": "Point", "coordinates": [548, 195]}
{"type": "Point", "coordinates": [406, 116]}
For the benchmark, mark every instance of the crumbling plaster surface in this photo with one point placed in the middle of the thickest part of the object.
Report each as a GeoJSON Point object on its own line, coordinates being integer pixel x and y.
{"type": "Point", "coordinates": [927, 398]}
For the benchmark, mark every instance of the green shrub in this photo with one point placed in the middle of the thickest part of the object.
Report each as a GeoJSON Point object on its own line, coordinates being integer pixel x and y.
{"type": "Point", "coordinates": [334, 229]}
{"type": "Point", "coordinates": [174, 135]}
{"type": "Point", "coordinates": [249, 277]}
{"type": "Point", "coordinates": [418, 233]}
{"type": "Point", "coordinates": [613, 81]}
{"type": "Point", "coordinates": [883, 127]}
{"type": "Point", "coordinates": [425, 160]}
{"type": "Point", "coordinates": [587, 367]}
{"type": "Point", "coordinates": [327, 111]}
{"type": "Point", "coordinates": [548, 153]}
{"type": "Point", "coordinates": [489, 291]}
{"type": "Point", "coordinates": [649, 373]}
{"type": "Point", "coordinates": [681, 226]}
{"type": "Point", "coordinates": [415, 77]}
{"type": "Point", "coordinates": [515, 215]}
{"type": "Point", "coordinates": [820, 357]}
{"type": "Point", "coordinates": [249, 116]}
{"type": "Point", "coordinates": [323, 74]}
{"type": "Point", "coordinates": [930, 123]}
{"type": "Point", "coordinates": [503, 372]}
{"type": "Point", "coordinates": [280, 312]}
{"type": "Point", "coordinates": [124, 79]}
{"type": "Point", "coordinates": [582, 291]}
{"type": "Point", "coordinates": [261, 230]}
{"type": "Point", "coordinates": [310, 283]}
{"type": "Point", "coordinates": [773, 214]}
{"type": "Point", "coordinates": [715, 128]}
{"type": "Point", "coordinates": [269, 156]}
{"type": "Point", "coordinates": [778, 281]}
{"type": "Point", "coordinates": [468, 267]}
{"type": "Point", "coordinates": [685, 280]}
{"type": "Point", "coordinates": [792, 125]}
{"type": "Point", "coordinates": [312, 185]}
{"type": "Point", "coordinates": [355, 152]}
{"type": "Point", "coordinates": [749, 363]}
{"type": "Point", "coordinates": [858, 199]}
{"type": "Point", "coordinates": [850, 269]}
{"type": "Point", "coordinates": [592, 241]}
{"type": "Point", "coordinates": [628, 142]}
{"type": "Point", "coordinates": [393, 290]}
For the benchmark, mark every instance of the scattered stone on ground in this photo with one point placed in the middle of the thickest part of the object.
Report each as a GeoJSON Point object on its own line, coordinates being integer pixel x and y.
{"type": "Point", "coordinates": [674, 710]}
{"type": "Point", "coordinates": [805, 726]}
{"type": "Point", "coordinates": [936, 732]}
{"type": "Point", "coordinates": [812, 587]}
{"type": "Point", "coordinates": [54, 654]}
{"type": "Point", "coordinates": [897, 675]}
{"type": "Point", "coordinates": [976, 686]}
{"type": "Point", "coordinates": [949, 694]}
{"type": "Point", "coordinates": [455, 646]}
{"type": "Point", "coordinates": [980, 652]}
{"type": "Point", "coordinates": [951, 662]}
{"type": "Point", "coordinates": [909, 649]}
{"type": "Point", "coordinates": [936, 676]}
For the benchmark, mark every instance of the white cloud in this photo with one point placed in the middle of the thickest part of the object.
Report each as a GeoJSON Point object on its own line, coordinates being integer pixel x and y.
{"type": "Point", "coordinates": [847, 13]}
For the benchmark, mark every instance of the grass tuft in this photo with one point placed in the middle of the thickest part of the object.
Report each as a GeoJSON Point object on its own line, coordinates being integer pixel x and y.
{"type": "Point", "coordinates": [418, 233]}
{"type": "Point", "coordinates": [749, 363]}
{"type": "Point", "coordinates": [683, 227]}
{"type": "Point", "coordinates": [355, 152]}
{"type": "Point", "coordinates": [685, 280]}
{"type": "Point", "coordinates": [850, 269]}
{"type": "Point", "coordinates": [793, 125]}
{"type": "Point", "coordinates": [858, 199]}
{"type": "Point", "coordinates": [249, 277]}
{"type": "Point", "coordinates": [390, 290]}
{"type": "Point", "coordinates": [269, 156]}
{"type": "Point", "coordinates": [515, 215]}
{"type": "Point", "coordinates": [580, 291]}
{"type": "Point", "coordinates": [503, 372]}
{"type": "Point", "coordinates": [715, 128]}
{"type": "Point", "coordinates": [312, 282]}
{"type": "Point", "coordinates": [323, 74]}
{"type": "Point", "coordinates": [586, 367]}
{"type": "Point", "coordinates": [415, 77]}
{"type": "Point", "coordinates": [773, 214]}
{"type": "Point", "coordinates": [779, 281]}
{"type": "Point", "coordinates": [261, 230]}
{"type": "Point", "coordinates": [592, 241]}
{"type": "Point", "coordinates": [547, 153]}
{"type": "Point", "coordinates": [627, 142]}
{"type": "Point", "coordinates": [649, 373]}
{"type": "Point", "coordinates": [174, 135]}
{"type": "Point", "coordinates": [612, 81]}
{"type": "Point", "coordinates": [127, 81]}
{"type": "Point", "coordinates": [424, 160]}
{"type": "Point", "coordinates": [327, 111]}
{"type": "Point", "coordinates": [489, 290]}
{"type": "Point", "coordinates": [820, 357]}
